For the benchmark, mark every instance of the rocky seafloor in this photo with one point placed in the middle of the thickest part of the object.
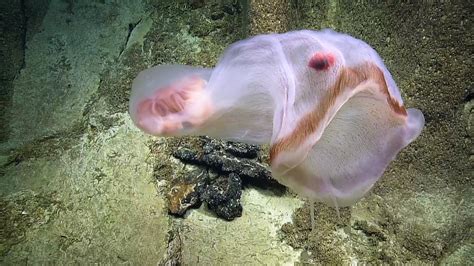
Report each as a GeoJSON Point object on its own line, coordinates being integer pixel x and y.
{"type": "Point", "coordinates": [80, 184]}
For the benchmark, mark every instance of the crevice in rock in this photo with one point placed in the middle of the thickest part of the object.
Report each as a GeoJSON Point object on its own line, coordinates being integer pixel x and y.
{"type": "Point", "coordinates": [13, 24]}
{"type": "Point", "coordinates": [24, 27]}
{"type": "Point", "coordinates": [469, 96]}
{"type": "Point", "coordinates": [173, 255]}
{"type": "Point", "coordinates": [131, 28]}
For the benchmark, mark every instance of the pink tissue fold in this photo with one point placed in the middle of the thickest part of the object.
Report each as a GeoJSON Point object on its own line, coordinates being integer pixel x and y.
{"type": "Point", "coordinates": [324, 101]}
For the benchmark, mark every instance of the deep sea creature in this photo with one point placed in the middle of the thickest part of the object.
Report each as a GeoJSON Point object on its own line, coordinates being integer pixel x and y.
{"type": "Point", "coordinates": [325, 102]}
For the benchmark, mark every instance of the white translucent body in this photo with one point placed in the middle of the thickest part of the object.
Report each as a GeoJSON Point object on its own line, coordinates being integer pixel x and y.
{"type": "Point", "coordinates": [261, 89]}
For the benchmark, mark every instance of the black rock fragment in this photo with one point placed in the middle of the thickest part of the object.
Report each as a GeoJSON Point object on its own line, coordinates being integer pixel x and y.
{"type": "Point", "coordinates": [224, 167]}
{"type": "Point", "coordinates": [242, 150]}
{"type": "Point", "coordinates": [229, 157]}
{"type": "Point", "coordinates": [223, 196]}
{"type": "Point", "coordinates": [186, 192]}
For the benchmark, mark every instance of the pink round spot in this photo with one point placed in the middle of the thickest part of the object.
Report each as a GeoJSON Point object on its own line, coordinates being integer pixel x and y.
{"type": "Point", "coordinates": [321, 61]}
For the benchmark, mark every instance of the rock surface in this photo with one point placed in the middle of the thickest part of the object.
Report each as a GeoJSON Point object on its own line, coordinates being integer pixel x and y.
{"type": "Point", "coordinates": [79, 183]}
{"type": "Point", "coordinates": [75, 189]}
{"type": "Point", "coordinates": [81, 205]}
{"type": "Point", "coordinates": [63, 63]}
{"type": "Point", "coordinates": [252, 239]}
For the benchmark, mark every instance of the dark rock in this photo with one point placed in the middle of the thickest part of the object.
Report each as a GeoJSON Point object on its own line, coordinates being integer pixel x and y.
{"type": "Point", "coordinates": [230, 9]}
{"type": "Point", "coordinates": [230, 157]}
{"type": "Point", "coordinates": [223, 196]}
{"type": "Point", "coordinates": [231, 163]}
{"type": "Point", "coordinates": [185, 191]}
{"type": "Point", "coordinates": [187, 156]}
{"type": "Point", "coordinates": [217, 15]}
{"type": "Point", "coordinates": [370, 230]}
{"type": "Point", "coordinates": [182, 197]}
{"type": "Point", "coordinates": [242, 150]}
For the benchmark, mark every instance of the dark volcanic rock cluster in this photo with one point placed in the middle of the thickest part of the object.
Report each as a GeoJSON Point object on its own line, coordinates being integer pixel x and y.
{"type": "Point", "coordinates": [224, 167]}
